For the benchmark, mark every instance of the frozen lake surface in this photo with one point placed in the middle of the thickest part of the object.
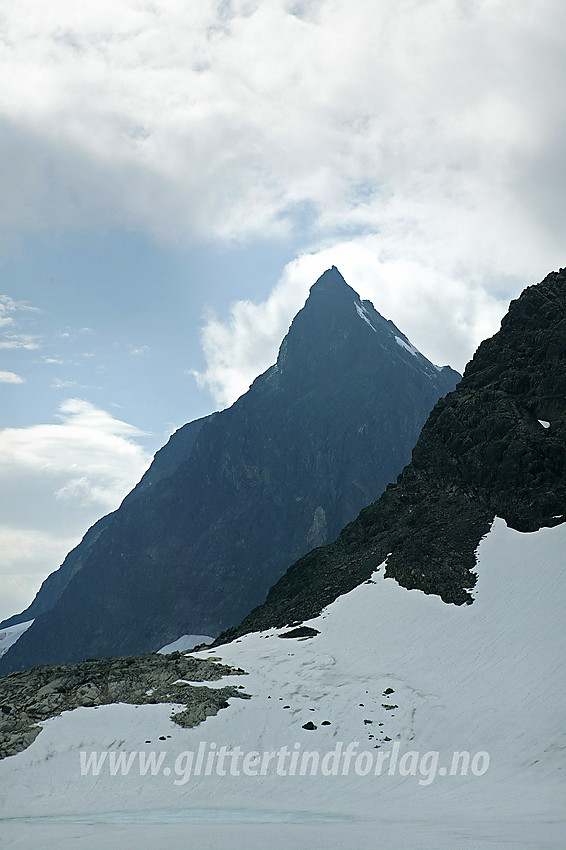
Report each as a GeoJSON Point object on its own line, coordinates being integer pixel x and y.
{"type": "Point", "coordinates": [198, 815]}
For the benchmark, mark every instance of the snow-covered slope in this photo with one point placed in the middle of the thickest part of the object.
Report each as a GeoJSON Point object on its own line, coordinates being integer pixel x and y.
{"type": "Point", "coordinates": [185, 642]}
{"type": "Point", "coordinates": [487, 678]}
{"type": "Point", "coordinates": [10, 634]}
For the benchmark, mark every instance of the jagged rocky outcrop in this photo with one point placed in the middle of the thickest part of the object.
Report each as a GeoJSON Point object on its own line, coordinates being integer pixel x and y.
{"type": "Point", "coordinates": [30, 697]}
{"type": "Point", "coordinates": [495, 446]}
{"type": "Point", "coordinates": [317, 437]}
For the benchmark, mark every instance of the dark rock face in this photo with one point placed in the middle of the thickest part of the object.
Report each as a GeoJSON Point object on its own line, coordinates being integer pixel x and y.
{"type": "Point", "coordinates": [32, 696]}
{"type": "Point", "coordinates": [484, 452]}
{"type": "Point", "coordinates": [316, 438]}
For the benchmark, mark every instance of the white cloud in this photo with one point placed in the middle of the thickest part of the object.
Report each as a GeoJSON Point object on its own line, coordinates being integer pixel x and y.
{"type": "Point", "coordinates": [5, 319]}
{"type": "Point", "coordinates": [77, 469]}
{"type": "Point", "coordinates": [12, 315]}
{"type": "Point", "coordinates": [423, 137]}
{"type": "Point", "coordinates": [28, 556]}
{"type": "Point", "coordinates": [11, 378]}
{"type": "Point", "coordinates": [239, 349]}
{"type": "Point", "coordinates": [437, 121]}
{"type": "Point", "coordinates": [25, 341]}
{"type": "Point", "coordinates": [87, 445]}
{"type": "Point", "coordinates": [445, 317]}
{"type": "Point", "coordinates": [8, 307]}
{"type": "Point", "coordinates": [60, 384]}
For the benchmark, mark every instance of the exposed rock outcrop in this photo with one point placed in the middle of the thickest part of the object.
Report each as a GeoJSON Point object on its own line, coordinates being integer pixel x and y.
{"type": "Point", "coordinates": [29, 697]}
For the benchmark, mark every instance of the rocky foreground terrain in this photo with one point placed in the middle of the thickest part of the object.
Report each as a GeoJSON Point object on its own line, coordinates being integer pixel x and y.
{"type": "Point", "coordinates": [28, 698]}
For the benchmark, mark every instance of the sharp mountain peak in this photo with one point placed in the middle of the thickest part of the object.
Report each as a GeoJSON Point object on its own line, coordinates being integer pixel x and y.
{"type": "Point", "coordinates": [335, 323]}
{"type": "Point", "coordinates": [235, 498]}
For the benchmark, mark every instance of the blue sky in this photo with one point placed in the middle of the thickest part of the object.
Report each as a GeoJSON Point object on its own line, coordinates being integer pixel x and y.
{"type": "Point", "coordinates": [114, 317]}
{"type": "Point", "coordinates": [175, 176]}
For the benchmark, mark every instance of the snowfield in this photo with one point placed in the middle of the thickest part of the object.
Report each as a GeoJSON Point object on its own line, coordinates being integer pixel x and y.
{"type": "Point", "coordinates": [11, 634]}
{"type": "Point", "coordinates": [486, 679]}
{"type": "Point", "coordinates": [185, 643]}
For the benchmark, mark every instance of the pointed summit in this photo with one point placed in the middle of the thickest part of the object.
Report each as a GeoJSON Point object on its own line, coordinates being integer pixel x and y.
{"type": "Point", "coordinates": [331, 282]}
{"type": "Point", "coordinates": [329, 299]}
{"type": "Point", "coordinates": [318, 327]}
{"type": "Point", "coordinates": [336, 326]}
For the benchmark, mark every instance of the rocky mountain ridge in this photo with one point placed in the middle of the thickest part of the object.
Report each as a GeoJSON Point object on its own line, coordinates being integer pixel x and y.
{"type": "Point", "coordinates": [495, 446]}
